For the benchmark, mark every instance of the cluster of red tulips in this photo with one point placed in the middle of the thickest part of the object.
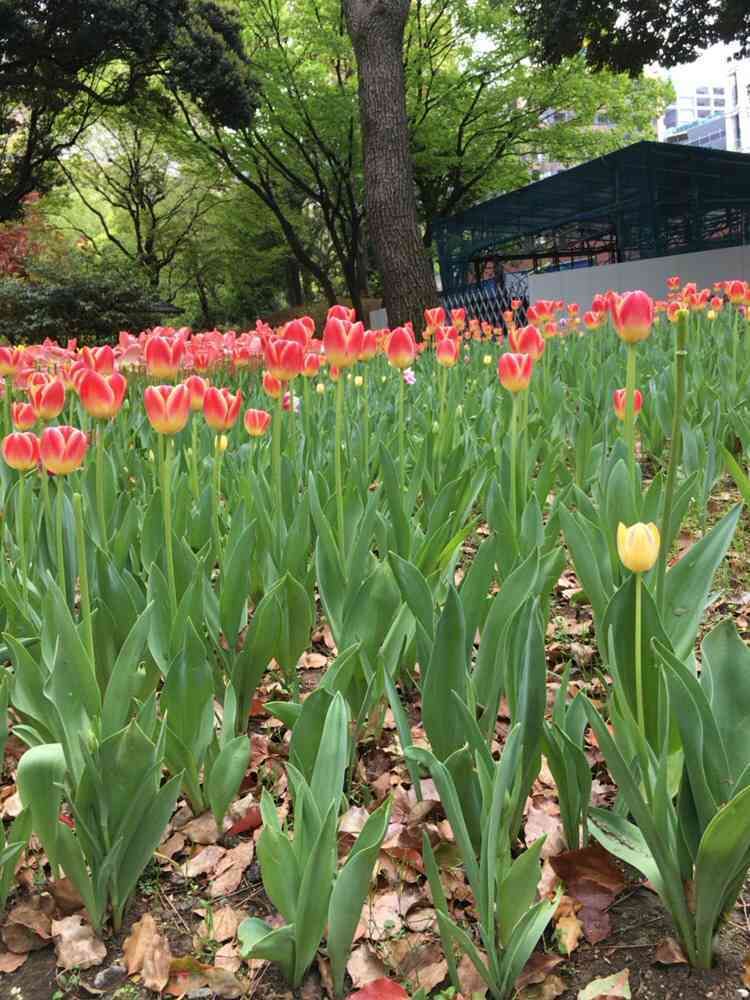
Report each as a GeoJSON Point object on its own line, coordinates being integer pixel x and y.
{"type": "Point", "coordinates": [43, 375]}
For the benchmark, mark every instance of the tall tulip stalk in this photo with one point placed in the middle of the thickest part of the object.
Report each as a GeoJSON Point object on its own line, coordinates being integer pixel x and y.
{"type": "Point", "coordinates": [680, 356]}
{"type": "Point", "coordinates": [221, 410]}
{"type": "Point", "coordinates": [343, 342]}
{"type": "Point", "coordinates": [168, 411]}
{"type": "Point", "coordinates": [401, 352]}
{"type": "Point", "coordinates": [634, 318]}
{"type": "Point", "coordinates": [514, 372]}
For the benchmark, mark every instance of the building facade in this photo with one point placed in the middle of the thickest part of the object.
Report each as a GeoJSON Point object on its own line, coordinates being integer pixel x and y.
{"type": "Point", "coordinates": [711, 107]}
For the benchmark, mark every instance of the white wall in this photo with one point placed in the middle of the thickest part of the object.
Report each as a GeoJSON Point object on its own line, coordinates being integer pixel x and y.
{"type": "Point", "coordinates": [582, 284]}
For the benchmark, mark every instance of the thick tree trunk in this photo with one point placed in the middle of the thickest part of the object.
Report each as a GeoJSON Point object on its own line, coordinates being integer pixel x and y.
{"type": "Point", "coordinates": [376, 28]}
{"type": "Point", "coordinates": [293, 283]}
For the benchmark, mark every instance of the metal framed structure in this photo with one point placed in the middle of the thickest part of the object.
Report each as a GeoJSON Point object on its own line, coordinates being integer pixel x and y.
{"type": "Point", "coordinates": [651, 199]}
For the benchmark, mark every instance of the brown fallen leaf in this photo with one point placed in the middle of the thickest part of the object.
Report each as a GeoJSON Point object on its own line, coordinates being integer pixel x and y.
{"type": "Point", "coordinates": [204, 862]}
{"type": "Point", "coordinates": [147, 951]}
{"type": "Point", "coordinates": [171, 846]}
{"type": "Point", "coordinates": [188, 974]}
{"type": "Point", "coordinates": [568, 933]}
{"type": "Point", "coordinates": [202, 829]}
{"type": "Point", "coordinates": [590, 875]}
{"type": "Point", "coordinates": [417, 958]}
{"type": "Point", "coordinates": [353, 820]}
{"type": "Point", "coordinates": [383, 915]}
{"type": "Point", "coordinates": [28, 926]}
{"type": "Point", "coordinates": [76, 945]}
{"type": "Point", "coordinates": [66, 896]}
{"type": "Point", "coordinates": [9, 962]}
{"type": "Point", "coordinates": [538, 968]}
{"type": "Point", "coordinates": [609, 988]}
{"type": "Point", "coordinates": [230, 869]}
{"type": "Point", "coordinates": [746, 971]}
{"type": "Point", "coordinates": [594, 880]}
{"type": "Point", "coordinates": [228, 957]}
{"type": "Point", "coordinates": [221, 925]}
{"type": "Point", "coordinates": [552, 987]}
{"type": "Point", "coordinates": [543, 817]}
{"type": "Point", "coordinates": [364, 966]}
{"type": "Point", "coordinates": [471, 983]}
{"type": "Point", "coordinates": [669, 952]}
{"type": "Point", "coordinates": [249, 821]}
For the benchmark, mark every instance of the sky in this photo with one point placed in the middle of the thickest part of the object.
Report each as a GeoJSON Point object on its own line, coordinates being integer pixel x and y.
{"type": "Point", "coordinates": [711, 63]}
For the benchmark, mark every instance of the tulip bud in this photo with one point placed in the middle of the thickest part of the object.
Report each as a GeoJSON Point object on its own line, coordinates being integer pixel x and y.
{"type": "Point", "coordinates": [634, 316]}
{"type": "Point", "coordinates": [102, 395]}
{"type": "Point", "coordinates": [284, 358]}
{"type": "Point", "coordinates": [343, 341]}
{"type": "Point", "coordinates": [320, 388]}
{"type": "Point", "coordinates": [402, 348]}
{"type": "Point", "coordinates": [527, 340]}
{"type": "Point", "coordinates": [221, 409]}
{"type": "Point", "coordinates": [48, 398]}
{"type": "Point", "coordinates": [24, 416]}
{"type": "Point", "coordinates": [197, 387]}
{"type": "Point", "coordinates": [487, 359]}
{"type": "Point", "coordinates": [163, 357]}
{"type": "Point", "coordinates": [62, 449]}
{"type": "Point", "coordinates": [222, 442]}
{"type": "Point", "coordinates": [257, 422]}
{"type": "Point", "coordinates": [447, 352]}
{"type": "Point", "coordinates": [359, 381]}
{"type": "Point", "coordinates": [514, 371]}
{"type": "Point", "coordinates": [638, 546]}
{"type": "Point", "coordinates": [271, 385]}
{"type": "Point", "coordinates": [167, 407]}
{"type": "Point", "coordinates": [21, 451]}
{"type": "Point", "coordinates": [619, 401]}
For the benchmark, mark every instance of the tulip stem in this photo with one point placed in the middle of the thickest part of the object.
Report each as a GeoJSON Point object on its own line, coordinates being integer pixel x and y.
{"type": "Point", "coordinates": [680, 356]}
{"type": "Point", "coordinates": [276, 452]}
{"type": "Point", "coordinates": [401, 433]}
{"type": "Point", "coordinates": [638, 652]}
{"type": "Point", "coordinates": [218, 455]}
{"type": "Point", "coordinates": [83, 577]}
{"type": "Point", "coordinates": [366, 424]}
{"type": "Point", "coordinates": [59, 535]}
{"type": "Point", "coordinates": [305, 421]}
{"type": "Point", "coordinates": [337, 461]}
{"type": "Point", "coordinates": [21, 512]}
{"type": "Point", "coordinates": [441, 425]}
{"type": "Point", "coordinates": [7, 383]}
{"type": "Point", "coordinates": [194, 457]}
{"type": "Point", "coordinates": [100, 488]}
{"type": "Point", "coordinates": [46, 502]}
{"type": "Point", "coordinates": [524, 447]}
{"type": "Point", "coordinates": [165, 454]}
{"type": "Point", "coordinates": [630, 410]}
{"type": "Point", "coordinates": [514, 461]}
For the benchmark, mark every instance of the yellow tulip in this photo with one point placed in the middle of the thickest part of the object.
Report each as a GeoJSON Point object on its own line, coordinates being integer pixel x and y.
{"type": "Point", "coordinates": [638, 546]}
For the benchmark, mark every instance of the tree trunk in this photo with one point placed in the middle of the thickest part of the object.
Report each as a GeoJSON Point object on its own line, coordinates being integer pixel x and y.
{"type": "Point", "coordinates": [376, 28]}
{"type": "Point", "coordinates": [293, 282]}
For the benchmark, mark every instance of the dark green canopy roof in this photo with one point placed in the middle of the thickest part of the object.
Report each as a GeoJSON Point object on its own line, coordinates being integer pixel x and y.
{"type": "Point", "coordinates": [650, 199]}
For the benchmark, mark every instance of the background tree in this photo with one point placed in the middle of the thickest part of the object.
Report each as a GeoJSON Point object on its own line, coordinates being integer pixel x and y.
{"type": "Point", "coordinates": [481, 111]}
{"type": "Point", "coordinates": [64, 62]}
{"type": "Point", "coordinates": [376, 28]}
{"type": "Point", "coordinates": [137, 197]}
{"type": "Point", "coordinates": [631, 34]}
{"type": "Point", "coordinates": [301, 154]}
